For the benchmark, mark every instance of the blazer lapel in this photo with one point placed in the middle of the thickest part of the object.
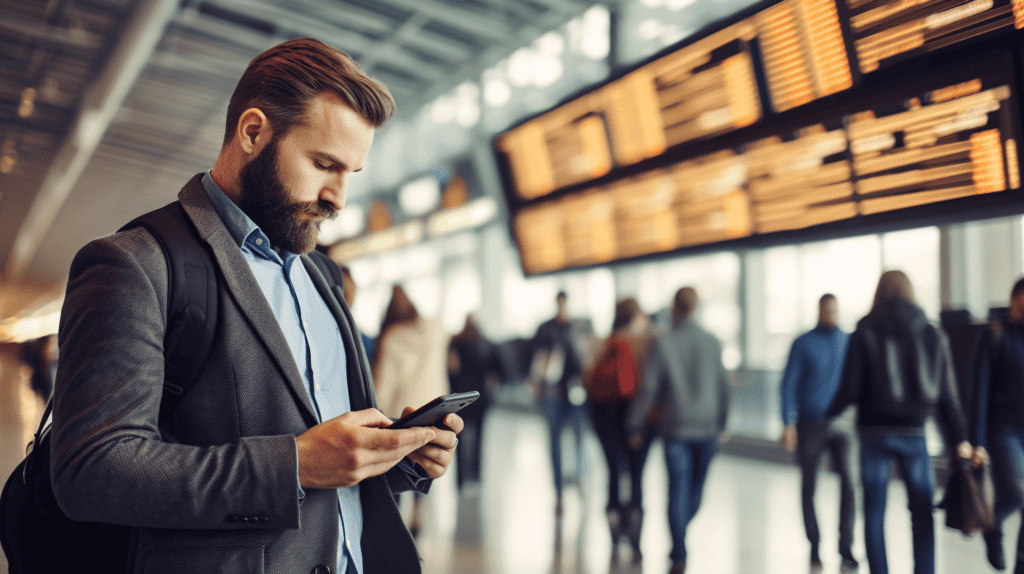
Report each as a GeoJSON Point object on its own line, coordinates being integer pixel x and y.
{"type": "Point", "coordinates": [243, 287]}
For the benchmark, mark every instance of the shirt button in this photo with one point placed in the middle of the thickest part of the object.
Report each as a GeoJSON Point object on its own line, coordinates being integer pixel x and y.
{"type": "Point", "coordinates": [305, 325]}
{"type": "Point", "coordinates": [259, 241]}
{"type": "Point", "coordinates": [348, 543]}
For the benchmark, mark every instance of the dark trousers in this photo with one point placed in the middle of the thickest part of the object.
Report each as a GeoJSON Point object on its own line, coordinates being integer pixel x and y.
{"type": "Point", "coordinates": [467, 456]}
{"type": "Point", "coordinates": [609, 420]}
{"type": "Point", "coordinates": [813, 439]}
{"type": "Point", "coordinates": [876, 454]}
{"type": "Point", "coordinates": [559, 412]}
{"type": "Point", "coordinates": [1006, 447]}
{"type": "Point", "coordinates": [687, 462]}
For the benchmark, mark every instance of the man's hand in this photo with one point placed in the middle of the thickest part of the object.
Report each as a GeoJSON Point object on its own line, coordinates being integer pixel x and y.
{"type": "Point", "coordinates": [350, 448]}
{"type": "Point", "coordinates": [788, 438]}
{"type": "Point", "coordinates": [964, 450]}
{"type": "Point", "coordinates": [437, 455]}
{"type": "Point", "coordinates": [979, 457]}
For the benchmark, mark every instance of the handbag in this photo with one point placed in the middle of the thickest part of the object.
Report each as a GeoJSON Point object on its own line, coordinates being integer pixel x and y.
{"type": "Point", "coordinates": [969, 498]}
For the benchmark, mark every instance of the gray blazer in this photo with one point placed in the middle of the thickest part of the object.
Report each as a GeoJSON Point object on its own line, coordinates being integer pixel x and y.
{"type": "Point", "coordinates": [684, 375]}
{"type": "Point", "coordinates": [215, 488]}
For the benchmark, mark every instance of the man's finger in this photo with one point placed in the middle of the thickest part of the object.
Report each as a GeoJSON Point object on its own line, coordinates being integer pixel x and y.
{"type": "Point", "coordinates": [408, 439]}
{"type": "Point", "coordinates": [445, 439]}
{"type": "Point", "coordinates": [454, 422]}
{"type": "Point", "coordinates": [365, 418]}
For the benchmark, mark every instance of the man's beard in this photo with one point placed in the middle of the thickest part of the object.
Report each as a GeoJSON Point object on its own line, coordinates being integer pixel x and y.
{"type": "Point", "coordinates": [265, 200]}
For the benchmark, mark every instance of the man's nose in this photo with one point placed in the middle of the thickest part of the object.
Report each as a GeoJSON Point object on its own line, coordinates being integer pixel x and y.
{"type": "Point", "coordinates": [334, 192]}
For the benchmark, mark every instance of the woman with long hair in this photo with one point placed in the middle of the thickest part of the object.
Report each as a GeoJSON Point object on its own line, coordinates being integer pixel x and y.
{"type": "Point", "coordinates": [898, 371]}
{"type": "Point", "coordinates": [611, 385]}
{"type": "Point", "coordinates": [410, 367]}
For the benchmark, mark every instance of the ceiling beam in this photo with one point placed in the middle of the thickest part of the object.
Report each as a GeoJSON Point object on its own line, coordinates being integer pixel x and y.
{"type": "Point", "coordinates": [476, 23]}
{"type": "Point", "coordinates": [14, 23]}
{"type": "Point", "coordinates": [348, 40]}
{"type": "Point", "coordinates": [99, 105]}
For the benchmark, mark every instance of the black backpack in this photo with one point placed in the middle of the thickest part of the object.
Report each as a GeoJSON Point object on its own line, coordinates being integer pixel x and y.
{"type": "Point", "coordinates": [37, 536]}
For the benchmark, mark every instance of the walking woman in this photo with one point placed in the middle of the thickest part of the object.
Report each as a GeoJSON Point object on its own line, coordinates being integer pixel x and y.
{"type": "Point", "coordinates": [898, 371]}
{"type": "Point", "coordinates": [611, 384]}
{"type": "Point", "coordinates": [410, 367]}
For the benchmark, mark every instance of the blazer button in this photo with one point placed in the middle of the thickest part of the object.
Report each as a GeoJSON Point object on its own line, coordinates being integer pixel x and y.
{"type": "Point", "coordinates": [321, 569]}
{"type": "Point", "coordinates": [246, 519]}
{"type": "Point", "coordinates": [264, 520]}
{"type": "Point", "coordinates": [232, 518]}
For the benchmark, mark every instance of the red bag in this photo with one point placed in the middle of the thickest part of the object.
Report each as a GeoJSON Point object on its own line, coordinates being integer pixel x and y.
{"type": "Point", "coordinates": [615, 374]}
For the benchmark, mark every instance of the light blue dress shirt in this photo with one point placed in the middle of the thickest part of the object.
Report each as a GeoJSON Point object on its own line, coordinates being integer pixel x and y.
{"type": "Point", "coordinates": [313, 337]}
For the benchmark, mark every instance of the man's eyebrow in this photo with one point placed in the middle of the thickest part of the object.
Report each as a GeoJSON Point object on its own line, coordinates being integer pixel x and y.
{"type": "Point", "coordinates": [334, 160]}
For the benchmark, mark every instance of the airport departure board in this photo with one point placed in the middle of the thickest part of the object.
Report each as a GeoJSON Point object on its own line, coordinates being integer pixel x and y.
{"type": "Point", "coordinates": [936, 138]}
{"type": "Point", "coordinates": [892, 31]}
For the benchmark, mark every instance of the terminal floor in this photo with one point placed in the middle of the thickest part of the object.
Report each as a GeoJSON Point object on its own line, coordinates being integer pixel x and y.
{"type": "Point", "coordinates": [749, 523]}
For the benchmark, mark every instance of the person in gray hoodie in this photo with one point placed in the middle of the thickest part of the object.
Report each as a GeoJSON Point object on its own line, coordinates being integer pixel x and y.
{"type": "Point", "coordinates": [685, 377]}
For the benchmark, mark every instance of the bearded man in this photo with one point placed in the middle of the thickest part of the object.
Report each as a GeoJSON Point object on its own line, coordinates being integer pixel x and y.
{"type": "Point", "coordinates": [275, 460]}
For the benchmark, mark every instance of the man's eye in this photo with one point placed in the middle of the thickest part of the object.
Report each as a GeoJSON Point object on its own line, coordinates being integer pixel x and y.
{"type": "Point", "coordinates": [321, 166]}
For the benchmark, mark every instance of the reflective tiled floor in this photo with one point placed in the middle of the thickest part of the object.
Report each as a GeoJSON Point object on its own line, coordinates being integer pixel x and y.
{"type": "Point", "coordinates": [750, 521]}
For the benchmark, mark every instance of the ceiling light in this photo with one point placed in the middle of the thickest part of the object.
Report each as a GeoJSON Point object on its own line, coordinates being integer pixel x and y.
{"type": "Point", "coordinates": [595, 42]}
{"type": "Point", "coordinates": [28, 102]}
{"type": "Point", "coordinates": [497, 92]}
{"type": "Point", "coordinates": [419, 196]}
{"type": "Point", "coordinates": [551, 43]}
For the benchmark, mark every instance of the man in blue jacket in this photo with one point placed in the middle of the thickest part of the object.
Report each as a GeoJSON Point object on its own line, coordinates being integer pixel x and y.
{"type": "Point", "coordinates": [808, 386]}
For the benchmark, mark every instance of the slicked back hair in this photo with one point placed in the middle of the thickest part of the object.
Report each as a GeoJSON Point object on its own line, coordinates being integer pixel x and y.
{"type": "Point", "coordinates": [282, 80]}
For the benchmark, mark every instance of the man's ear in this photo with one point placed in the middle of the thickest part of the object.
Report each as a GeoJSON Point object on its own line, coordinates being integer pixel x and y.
{"type": "Point", "coordinates": [253, 130]}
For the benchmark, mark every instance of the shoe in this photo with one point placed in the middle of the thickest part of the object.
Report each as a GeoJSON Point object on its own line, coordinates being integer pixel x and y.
{"type": "Point", "coordinates": [634, 525]}
{"type": "Point", "coordinates": [677, 568]}
{"type": "Point", "coordinates": [848, 565]}
{"type": "Point", "coordinates": [615, 525]}
{"type": "Point", "coordinates": [1019, 568]}
{"type": "Point", "coordinates": [816, 567]}
{"type": "Point", "coordinates": [994, 550]}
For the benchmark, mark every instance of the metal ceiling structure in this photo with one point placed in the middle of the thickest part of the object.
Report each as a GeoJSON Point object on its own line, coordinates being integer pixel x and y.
{"type": "Point", "coordinates": [108, 106]}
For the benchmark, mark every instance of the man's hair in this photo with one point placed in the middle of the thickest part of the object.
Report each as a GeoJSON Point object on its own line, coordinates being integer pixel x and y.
{"type": "Point", "coordinates": [892, 285]}
{"type": "Point", "coordinates": [685, 302]}
{"type": "Point", "coordinates": [1018, 288]}
{"type": "Point", "coordinates": [282, 80]}
{"type": "Point", "coordinates": [561, 295]}
{"type": "Point", "coordinates": [825, 298]}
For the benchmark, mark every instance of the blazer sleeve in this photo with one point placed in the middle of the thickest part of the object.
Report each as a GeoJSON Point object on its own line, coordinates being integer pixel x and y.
{"type": "Point", "coordinates": [109, 460]}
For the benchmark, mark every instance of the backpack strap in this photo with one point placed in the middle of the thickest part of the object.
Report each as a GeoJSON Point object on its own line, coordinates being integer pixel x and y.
{"type": "Point", "coordinates": [192, 299]}
{"type": "Point", "coordinates": [334, 281]}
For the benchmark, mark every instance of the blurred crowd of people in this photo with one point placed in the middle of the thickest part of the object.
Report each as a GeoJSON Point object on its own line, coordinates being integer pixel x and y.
{"type": "Point", "coordinates": [644, 382]}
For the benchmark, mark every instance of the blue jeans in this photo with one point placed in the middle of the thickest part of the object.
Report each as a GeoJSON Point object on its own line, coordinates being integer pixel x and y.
{"type": "Point", "coordinates": [911, 455]}
{"type": "Point", "coordinates": [1006, 446]}
{"type": "Point", "coordinates": [559, 412]}
{"type": "Point", "coordinates": [687, 462]}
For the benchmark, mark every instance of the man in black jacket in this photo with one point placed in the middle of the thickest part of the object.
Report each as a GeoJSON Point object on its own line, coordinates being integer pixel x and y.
{"type": "Point", "coordinates": [997, 420]}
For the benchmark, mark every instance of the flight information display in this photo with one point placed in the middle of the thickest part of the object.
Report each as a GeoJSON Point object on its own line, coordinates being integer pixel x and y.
{"type": "Point", "coordinates": [923, 146]}
{"type": "Point", "coordinates": [704, 89]}
{"type": "Point", "coordinates": [884, 32]}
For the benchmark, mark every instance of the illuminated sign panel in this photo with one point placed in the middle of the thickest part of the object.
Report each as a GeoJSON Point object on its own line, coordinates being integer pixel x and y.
{"type": "Point", "coordinates": [883, 31]}
{"type": "Point", "coordinates": [618, 172]}
{"type": "Point", "coordinates": [919, 147]}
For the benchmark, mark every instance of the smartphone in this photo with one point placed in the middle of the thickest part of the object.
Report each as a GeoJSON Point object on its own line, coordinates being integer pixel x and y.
{"type": "Point", "coordinates": [432, 413]}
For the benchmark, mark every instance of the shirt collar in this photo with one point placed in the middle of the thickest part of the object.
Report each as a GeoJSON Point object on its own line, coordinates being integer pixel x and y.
{"type": "Point", "coordinates": [242, 229]}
